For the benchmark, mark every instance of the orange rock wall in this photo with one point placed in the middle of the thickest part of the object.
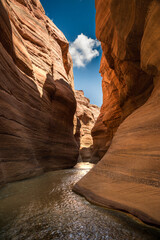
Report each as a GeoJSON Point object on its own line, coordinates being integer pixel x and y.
{"type": "Point", "coordinates": [125, 85]}
{"type": "Point", "coordinates": [36, 93]}
{"type": "Point", "coordinates": [128, 176]}
{"type": "Point", "coordinates": [85, 118]}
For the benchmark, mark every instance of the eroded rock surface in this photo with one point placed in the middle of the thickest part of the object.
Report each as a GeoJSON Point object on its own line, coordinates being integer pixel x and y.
{"type": "Point", "coordinates": [36, 93]}
{"type": "Point", "coordinates": [85, 118]}
{"type": "Point", "coordinates": [128, 176]}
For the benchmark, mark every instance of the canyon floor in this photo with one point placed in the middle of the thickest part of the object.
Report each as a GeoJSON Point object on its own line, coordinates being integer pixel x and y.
{"type": "Point", "coordinates": [45, 207]}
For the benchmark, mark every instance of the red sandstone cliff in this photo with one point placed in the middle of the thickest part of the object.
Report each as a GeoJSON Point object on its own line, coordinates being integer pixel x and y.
{"type": "Point", "coordinates": [85, 118]}
{"type": "Point", "coordinates": [126, 86]}
{"type": "Point", "coordinates": [37, 102]}
{"type": "Point", "coordinates": [128, 176]}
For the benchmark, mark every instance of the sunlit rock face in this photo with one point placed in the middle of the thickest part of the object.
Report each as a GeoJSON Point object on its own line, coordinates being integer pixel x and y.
{"type": "Point", "coordinates": [36, 93]}
{"type": "Point", "coordinates": [128, 176]}
{"type": "Point", "coordinates": [85, 118]}
{"type": "Point", "coordinates": [126, 86]}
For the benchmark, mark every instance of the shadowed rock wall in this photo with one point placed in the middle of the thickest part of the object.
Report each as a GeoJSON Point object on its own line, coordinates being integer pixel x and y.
{"type": "Point", "coordinates": [128, 176]}
{"type": "Point", "coordinates": [37, 102]}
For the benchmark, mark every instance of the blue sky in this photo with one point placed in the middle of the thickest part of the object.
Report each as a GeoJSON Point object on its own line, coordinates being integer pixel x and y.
{"type": "Point", "coordinates": [76, 19]}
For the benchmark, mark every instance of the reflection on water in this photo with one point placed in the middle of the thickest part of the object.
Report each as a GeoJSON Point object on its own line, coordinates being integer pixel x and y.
{"type": "Point", "coordinates": [84, 165]}
{"type": "Point", "coordinates": [46, 208]}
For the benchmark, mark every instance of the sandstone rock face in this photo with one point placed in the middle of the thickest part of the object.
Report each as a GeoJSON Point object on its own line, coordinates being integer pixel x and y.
{"type": "Point", "coordinates": [36, 93]}
{"type": "Point", "coordinates": [85, 118]}
{"type": "Point", "coordinates": [128, 176]}
{"type": "Point", "coordinates": [126, 86]}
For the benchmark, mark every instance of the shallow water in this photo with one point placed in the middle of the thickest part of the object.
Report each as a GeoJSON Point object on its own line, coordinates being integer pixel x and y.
{"type": "Point", "coordinates": [46, 208]}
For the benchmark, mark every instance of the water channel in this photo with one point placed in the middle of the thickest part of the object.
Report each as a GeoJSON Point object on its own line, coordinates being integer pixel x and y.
{"type": "Point", "coordinates": [46, 208]}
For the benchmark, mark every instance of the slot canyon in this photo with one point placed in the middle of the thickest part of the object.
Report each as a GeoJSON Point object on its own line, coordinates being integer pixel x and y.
{"type": "Point", "coordinates": [47, 127]}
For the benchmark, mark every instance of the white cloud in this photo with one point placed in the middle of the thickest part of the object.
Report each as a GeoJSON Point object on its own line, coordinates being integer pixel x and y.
{"type": "Point", "coordinates": [83, 50]}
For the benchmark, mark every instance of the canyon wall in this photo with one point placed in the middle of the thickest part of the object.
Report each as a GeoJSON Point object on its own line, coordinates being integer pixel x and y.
{"type": "Point", "coordinates": [36, 93]}
{"type": "Point", "coordinates": [126, 86]}
{"type": "Point", "coordinates": [128, 176]}
{"type": "Point", "coordinates": [85, 118]}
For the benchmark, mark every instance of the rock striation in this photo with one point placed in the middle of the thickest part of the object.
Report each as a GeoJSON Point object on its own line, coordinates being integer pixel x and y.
{"type": "Point", "coordinates": [128, 176]}
{"type": "Point", "coordinates": [85, 118]}
{"type": "Point", "coordinates": [36, 93]}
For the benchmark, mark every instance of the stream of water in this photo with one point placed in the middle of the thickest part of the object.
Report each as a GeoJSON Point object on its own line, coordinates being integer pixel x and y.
{"type": "Point", "coordinates": [46, 208]}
